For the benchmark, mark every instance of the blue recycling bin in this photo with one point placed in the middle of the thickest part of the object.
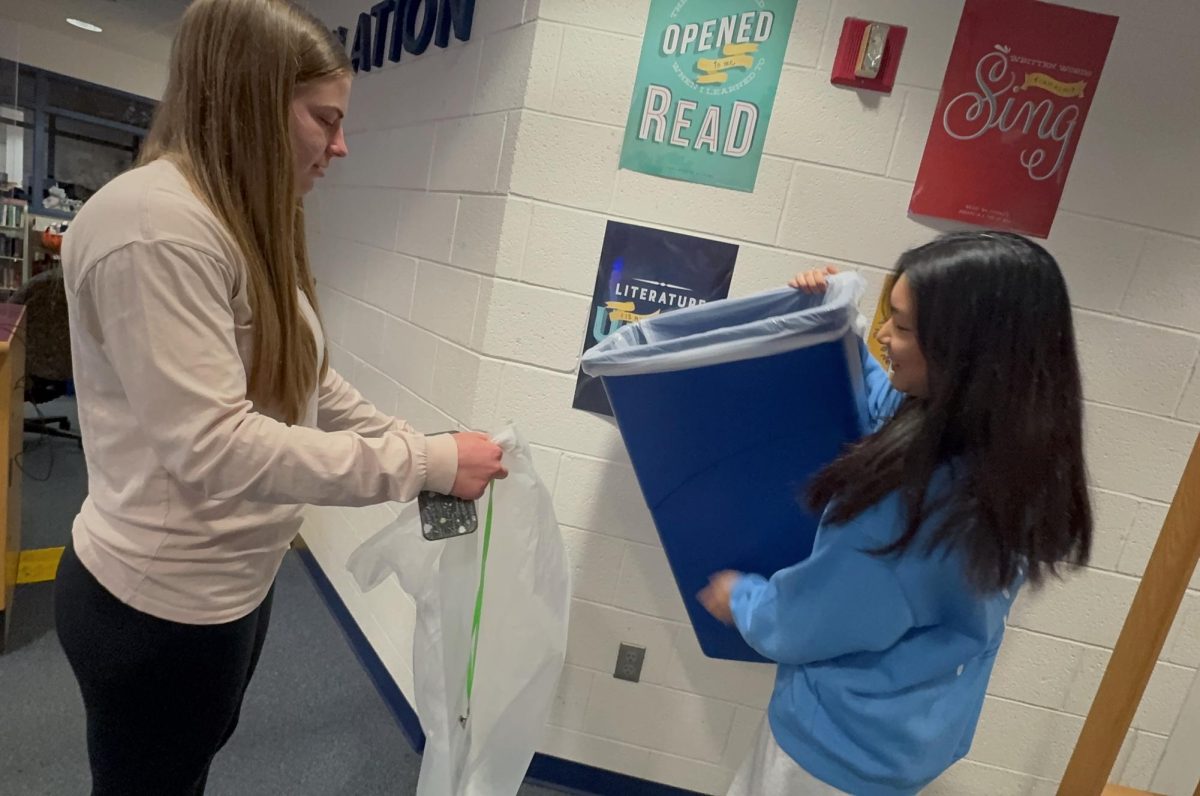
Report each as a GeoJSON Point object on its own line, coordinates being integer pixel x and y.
{"type": "Point", "coordinates": [727, 409]}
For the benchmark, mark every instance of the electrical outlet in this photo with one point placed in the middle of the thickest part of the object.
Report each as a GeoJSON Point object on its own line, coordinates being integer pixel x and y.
{"type": "Point", "coordinates": [629, 663]}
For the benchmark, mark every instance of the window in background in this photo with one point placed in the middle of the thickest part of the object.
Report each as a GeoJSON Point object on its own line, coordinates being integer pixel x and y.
{"type": "Point", "coordinates": [73, 136]}
{"type": "Point", "coordinates": [16, 148]}
{"type": "Point", "coordinates": [106, 105]}
{"type": "Point", "coordinates": [12, 132]}
{"type": "Point", "coordinates": [81, 158]}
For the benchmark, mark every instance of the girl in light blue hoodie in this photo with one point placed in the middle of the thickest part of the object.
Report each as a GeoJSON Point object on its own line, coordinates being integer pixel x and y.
{"type": "Point", "coordinates": [972, 483]}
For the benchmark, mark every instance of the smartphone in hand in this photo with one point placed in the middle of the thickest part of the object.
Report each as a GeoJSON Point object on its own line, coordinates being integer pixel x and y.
{"type": "Point", "coordinates": [446, 516]}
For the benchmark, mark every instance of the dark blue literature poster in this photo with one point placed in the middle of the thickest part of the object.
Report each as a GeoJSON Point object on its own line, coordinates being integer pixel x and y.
{"type": "Point", "coordinates": [645, 272]}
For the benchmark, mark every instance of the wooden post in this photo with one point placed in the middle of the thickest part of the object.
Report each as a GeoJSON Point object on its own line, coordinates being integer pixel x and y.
{"type": "Point", "coordinates": [1141, 641]}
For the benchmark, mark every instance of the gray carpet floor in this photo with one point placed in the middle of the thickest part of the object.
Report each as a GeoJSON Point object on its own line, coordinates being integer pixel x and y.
{"type": "Point", "coordinates": [312, 723]}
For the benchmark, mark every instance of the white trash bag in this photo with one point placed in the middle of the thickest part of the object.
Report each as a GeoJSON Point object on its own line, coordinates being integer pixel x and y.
{"type": "Point", "coordinates": [484, 748]}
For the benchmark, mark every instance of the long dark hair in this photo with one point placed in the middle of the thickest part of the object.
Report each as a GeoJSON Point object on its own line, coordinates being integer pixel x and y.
{"type": "Point", "coordinates": [1003, 414]}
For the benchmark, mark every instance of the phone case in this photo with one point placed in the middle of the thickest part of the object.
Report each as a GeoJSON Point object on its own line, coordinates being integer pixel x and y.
{"type": "Point", "coordinates": [445, 516]}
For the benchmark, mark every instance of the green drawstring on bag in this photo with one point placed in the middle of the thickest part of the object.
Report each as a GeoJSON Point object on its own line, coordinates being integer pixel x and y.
{"type": "Point", "coordinates": [487, 542]}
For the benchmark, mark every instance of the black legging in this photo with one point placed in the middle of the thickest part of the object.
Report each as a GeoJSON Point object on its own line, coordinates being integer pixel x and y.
{"type": "Point", "coordinates": [161, 698]}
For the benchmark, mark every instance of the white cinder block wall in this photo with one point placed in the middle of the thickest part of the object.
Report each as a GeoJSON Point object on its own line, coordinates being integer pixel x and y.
{"type": "Point", "coordinates": [456, 251]}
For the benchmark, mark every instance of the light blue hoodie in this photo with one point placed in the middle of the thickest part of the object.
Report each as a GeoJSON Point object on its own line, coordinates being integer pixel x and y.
{"type": "Point", "coordinates": [883, 661]}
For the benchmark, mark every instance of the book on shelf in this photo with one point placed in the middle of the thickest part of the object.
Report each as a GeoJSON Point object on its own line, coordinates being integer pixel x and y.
{"type": "Point", "coordinates": [10, 278]}
{"type": "Point", "coordinates": [12, 213]}
{"type": "Point", "coordinates": [12, 248]}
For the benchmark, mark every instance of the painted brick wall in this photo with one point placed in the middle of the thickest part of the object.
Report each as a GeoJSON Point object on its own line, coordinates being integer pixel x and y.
{"type": "Point", "coordinates": [456, 250]}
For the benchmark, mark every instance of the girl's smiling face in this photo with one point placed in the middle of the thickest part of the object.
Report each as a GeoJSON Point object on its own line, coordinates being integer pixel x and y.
{"type": "Point", "coordinates": [898, 336]}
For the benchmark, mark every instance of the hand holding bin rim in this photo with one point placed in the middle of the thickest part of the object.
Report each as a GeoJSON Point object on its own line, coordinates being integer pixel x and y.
{"type": "Point", "coordinates": [727, 410]}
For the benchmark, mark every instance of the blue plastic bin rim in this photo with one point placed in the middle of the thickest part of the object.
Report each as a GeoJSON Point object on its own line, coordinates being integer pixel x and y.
{"type": "Point", "coordinates": [730, 330]}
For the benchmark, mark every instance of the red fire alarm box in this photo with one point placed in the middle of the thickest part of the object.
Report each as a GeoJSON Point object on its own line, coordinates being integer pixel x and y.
{"type": "Point", "coordinates": [868, 55]}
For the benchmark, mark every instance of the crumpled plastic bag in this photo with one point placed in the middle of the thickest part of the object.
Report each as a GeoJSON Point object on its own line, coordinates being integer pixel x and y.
{"type": "Point", "coordinates": [486, 750]}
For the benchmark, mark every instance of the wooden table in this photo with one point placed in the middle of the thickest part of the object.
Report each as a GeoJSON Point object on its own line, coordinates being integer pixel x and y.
{"type": "Point", "coordinates": [12, 421]}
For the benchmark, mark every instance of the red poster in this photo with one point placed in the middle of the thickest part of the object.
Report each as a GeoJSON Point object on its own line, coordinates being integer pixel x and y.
{"type": "Point", "coordinates": [1016, 94]}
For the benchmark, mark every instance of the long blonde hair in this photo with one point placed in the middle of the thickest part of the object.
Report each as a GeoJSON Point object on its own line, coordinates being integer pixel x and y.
{"type": "Point", "coordinates": [224, 121]}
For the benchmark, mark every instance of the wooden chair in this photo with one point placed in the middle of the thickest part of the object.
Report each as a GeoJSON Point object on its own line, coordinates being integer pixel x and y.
{"type": "Point", "coordinates": [48, 350]}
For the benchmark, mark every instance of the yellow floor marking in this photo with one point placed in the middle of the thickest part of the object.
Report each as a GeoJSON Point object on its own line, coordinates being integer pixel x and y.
{"type": "Point", "coordinates": [38, 566]}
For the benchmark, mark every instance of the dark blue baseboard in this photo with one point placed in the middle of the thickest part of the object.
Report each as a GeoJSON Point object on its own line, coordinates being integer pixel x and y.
{"type": "Point", "coordinates": [553, 772]}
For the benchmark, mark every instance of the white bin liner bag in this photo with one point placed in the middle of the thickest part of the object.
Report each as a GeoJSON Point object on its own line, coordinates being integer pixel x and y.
{"type": "Point", "coordinates": [522, 630]}
{"type": "Point", "coordinates": [730, 330]}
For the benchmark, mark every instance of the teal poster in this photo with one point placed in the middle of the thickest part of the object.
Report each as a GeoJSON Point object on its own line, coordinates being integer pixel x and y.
{"type": "Point", "coordinates": [705, 87]}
